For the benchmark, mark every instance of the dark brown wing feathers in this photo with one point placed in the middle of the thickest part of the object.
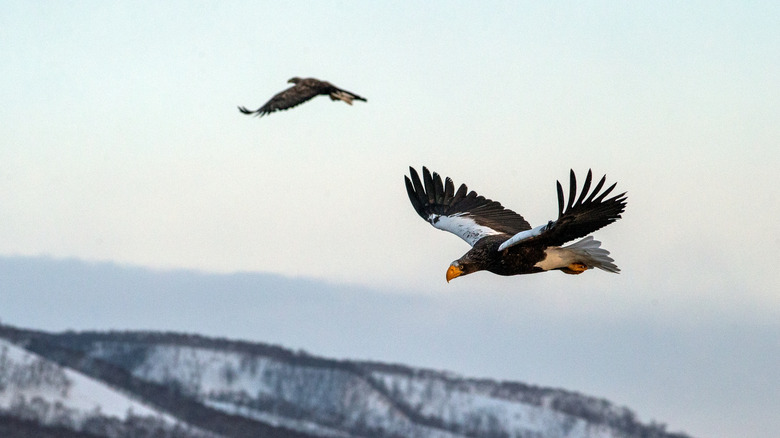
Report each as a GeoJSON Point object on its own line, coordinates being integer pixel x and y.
{"type": "Point", "coordinates": [590, 212]}
{"type": "Point", "coordinates": [432, 196]}
{"type": "Point", "coordinates": [289, 98]}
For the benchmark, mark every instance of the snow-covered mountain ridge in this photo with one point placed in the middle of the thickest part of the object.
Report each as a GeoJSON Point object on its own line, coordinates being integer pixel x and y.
{"type": "Point", "coordinates": [296, 393]}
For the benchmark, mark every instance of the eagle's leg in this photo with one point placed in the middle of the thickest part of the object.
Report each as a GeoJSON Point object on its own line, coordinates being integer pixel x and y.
{"type": "Point", "coordinates": [575, 268]}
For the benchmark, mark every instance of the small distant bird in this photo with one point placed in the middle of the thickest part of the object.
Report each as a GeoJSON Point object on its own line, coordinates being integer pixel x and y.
{"type": "Point", "coordinates": [303, 90]}
{"type": "Point", "coordinates": [503, 242]}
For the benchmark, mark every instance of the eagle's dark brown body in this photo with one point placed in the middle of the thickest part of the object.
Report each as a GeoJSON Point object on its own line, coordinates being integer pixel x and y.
{"type": "Point", "coordinates": [511, 261]}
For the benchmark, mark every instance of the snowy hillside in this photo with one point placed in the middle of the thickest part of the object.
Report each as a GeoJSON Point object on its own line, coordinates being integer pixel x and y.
{"type": "Point", "coordinates": [309, 396]}
{"type": "Point", "coordinates": [477, 410]}
{"type": "Point", "coordinates": [35, 388]}
{"type": "Point", "coordinates": [339, 401]}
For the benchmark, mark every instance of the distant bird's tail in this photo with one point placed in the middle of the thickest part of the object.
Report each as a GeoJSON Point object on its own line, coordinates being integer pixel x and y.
{"type": "Point", "coordinates": [346, 96]}
{"type": "Point", "coordinates": [588, 253]}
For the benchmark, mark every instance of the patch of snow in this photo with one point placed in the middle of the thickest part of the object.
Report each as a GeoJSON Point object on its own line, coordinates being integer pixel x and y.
{"type": "Point", "coordinates": [62, 385]}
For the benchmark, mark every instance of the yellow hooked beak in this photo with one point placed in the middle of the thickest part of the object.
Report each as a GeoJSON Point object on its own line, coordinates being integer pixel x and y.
{"type": "Point", "coordinates": [453, 272]}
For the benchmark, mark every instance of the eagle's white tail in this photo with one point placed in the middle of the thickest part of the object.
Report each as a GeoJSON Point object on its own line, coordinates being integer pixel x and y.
{"type": "Point", "coordinates": [589, 252]}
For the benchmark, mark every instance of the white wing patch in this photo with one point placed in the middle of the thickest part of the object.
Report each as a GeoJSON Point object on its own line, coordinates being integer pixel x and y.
{"type": "Point", "coordinates": [462, 226]}
{"type": "Point", "coordinates": [523, 235]}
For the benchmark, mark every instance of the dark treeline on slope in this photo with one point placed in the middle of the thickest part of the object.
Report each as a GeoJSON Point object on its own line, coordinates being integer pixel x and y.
{"type": "Point", "coordinates": [14, 427]}
{"type": "Point", "coordinates": [20, 422]}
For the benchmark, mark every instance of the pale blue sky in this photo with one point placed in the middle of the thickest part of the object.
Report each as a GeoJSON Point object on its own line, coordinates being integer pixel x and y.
{"type": "Point", "coordinates": [121, 142]}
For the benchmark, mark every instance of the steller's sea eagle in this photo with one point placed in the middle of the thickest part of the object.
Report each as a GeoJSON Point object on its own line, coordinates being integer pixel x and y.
{"type": "Point", "coordinates": [303, 90]}
{"type": "Point", "coordinates": [503, 242]}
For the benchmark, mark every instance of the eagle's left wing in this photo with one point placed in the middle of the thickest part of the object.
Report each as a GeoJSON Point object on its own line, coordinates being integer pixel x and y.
{"type": "Point", "coordinates": [465, 214]}
{"type": "Point", "coordinates": [580, 218]}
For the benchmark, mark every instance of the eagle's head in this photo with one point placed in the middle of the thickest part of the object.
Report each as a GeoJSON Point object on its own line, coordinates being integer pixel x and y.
{"type": "Point", "coordinates": [461, 267]}
{"type": "Point", "coordinates": [477, 259]}
{"type": "Point", "coordinates": [294, 80]}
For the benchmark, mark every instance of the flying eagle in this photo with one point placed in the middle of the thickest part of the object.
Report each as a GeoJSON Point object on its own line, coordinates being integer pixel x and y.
{"type": "Point", "coordinates": [303, 90]}
{"type": "Point", "coordinates": [503, 242]}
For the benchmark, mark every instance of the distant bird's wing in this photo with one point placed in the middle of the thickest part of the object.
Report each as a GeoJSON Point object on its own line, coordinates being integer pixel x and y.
{"type": "Point", "coordinates": [465, 214]}
{"type": "Point", "coordinates": [580, 218]}
{"type": "Point", "coordinates": [293, 96]}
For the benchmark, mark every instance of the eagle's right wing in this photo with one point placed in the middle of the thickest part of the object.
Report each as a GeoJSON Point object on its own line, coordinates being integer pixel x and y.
{"type": "Point", "coordinates": [465, 214]}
